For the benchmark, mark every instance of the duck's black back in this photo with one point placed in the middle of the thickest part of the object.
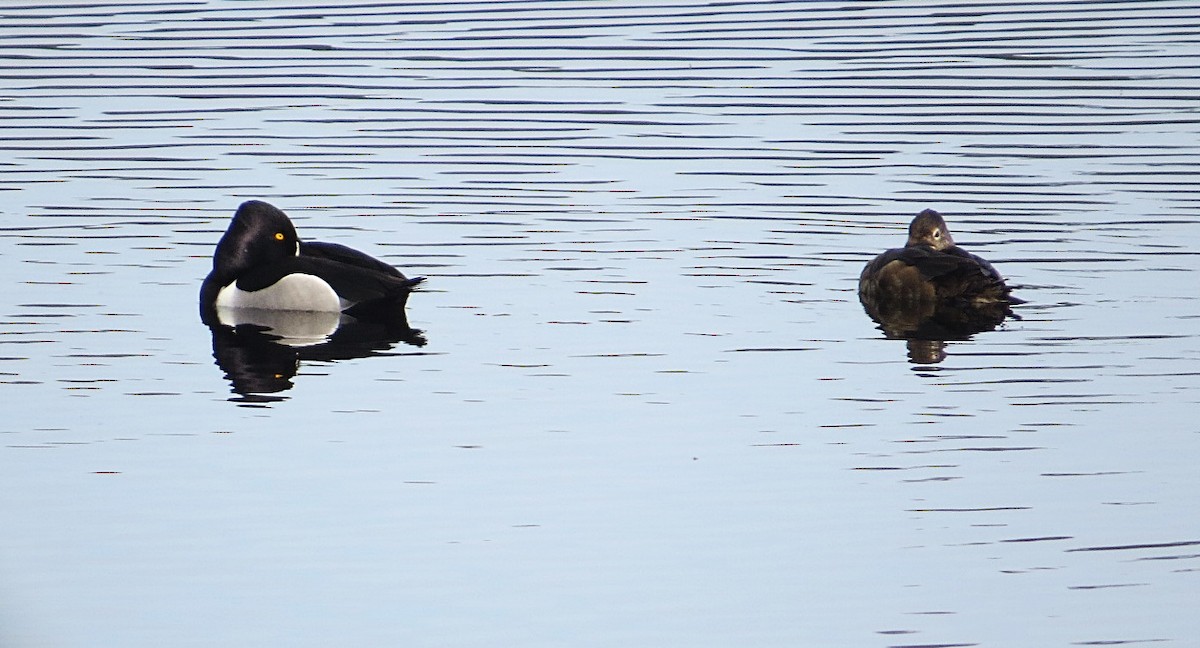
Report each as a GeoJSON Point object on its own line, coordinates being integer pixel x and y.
{"type": "Point", "coordinates": [350, 256]}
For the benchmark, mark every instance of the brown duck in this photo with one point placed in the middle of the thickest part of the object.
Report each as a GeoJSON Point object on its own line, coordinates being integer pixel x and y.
{"type": "Point", "coordinates": [930, 269]}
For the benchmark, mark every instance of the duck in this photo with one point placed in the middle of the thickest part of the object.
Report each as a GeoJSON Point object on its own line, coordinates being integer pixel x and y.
{"type": "Point", "coordinates": [931, 271]}
{"type": "Point", "coordinates": [261, 264]}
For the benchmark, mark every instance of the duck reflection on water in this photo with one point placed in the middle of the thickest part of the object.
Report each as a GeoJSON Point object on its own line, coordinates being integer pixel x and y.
{"type": "Point", "coordinates": [260, 351]}
{"type": "Point", "coordinates": [927, 327]}
{"type": "Point", "coordinates": [931, 291]}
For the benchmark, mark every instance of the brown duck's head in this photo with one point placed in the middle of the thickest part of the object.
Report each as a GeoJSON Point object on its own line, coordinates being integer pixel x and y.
{"type": "Point", "coordinates": [928, 228]}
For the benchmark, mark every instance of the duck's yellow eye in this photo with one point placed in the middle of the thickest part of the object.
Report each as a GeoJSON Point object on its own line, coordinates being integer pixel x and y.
{"type": "Point", "coordinates": [278, 236]}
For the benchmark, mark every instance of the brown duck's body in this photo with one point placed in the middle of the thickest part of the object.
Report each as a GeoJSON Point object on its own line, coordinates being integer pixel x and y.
{"type": "Point", "coordinates": [930, 269]}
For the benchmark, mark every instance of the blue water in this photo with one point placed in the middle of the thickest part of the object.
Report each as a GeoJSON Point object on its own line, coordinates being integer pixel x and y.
{"type": "Point", "coordinates": [650, 409]}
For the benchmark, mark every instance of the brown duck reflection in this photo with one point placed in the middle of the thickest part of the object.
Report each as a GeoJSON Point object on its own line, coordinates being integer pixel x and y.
{"type": "Point", "coordinates": [260, 351]}
{"type": "Point", "coordinates": [931, 291]}
{"type": "Point", "coordinates": [928, 326]}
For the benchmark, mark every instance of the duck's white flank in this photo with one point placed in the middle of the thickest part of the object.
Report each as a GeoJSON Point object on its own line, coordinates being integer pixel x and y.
{"type": "Point", "coordinates": [295, 292]}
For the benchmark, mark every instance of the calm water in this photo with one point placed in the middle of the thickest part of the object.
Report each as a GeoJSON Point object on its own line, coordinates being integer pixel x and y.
{"type": "Point", "coordinates": [649, 409]}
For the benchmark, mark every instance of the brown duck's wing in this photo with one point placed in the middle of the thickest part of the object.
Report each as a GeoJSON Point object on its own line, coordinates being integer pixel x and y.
{"type": "Point", "coordinates": [961, 275]}
{"type": "Point", "coordinates": [922, 273]}
{"type": "Point", "coordinates": [936, 265]}
{"type": "Point", "coordinates": [916, 264]}
{"type": "Point", "coordinates": [984, 267]}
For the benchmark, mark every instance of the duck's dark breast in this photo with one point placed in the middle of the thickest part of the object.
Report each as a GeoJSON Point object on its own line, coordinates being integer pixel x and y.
{"type": "Point", "coordinates": [893, 276]}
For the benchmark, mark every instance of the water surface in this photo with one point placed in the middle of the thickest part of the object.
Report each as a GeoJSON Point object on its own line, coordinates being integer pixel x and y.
{"type": "Point", "coordinates": [649, 409]}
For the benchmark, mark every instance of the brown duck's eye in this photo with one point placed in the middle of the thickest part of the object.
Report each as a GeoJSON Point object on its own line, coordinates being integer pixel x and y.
{"type": "Point", "coordinates": [937, 233]}
{"type": "Point", "coordinates": [278, 236]}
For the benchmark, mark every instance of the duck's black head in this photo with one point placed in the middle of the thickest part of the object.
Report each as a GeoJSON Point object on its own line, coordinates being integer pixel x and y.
{"type": "Point", "coordinates": [259, 234]}
{"type": "Point", "coordinates": [929, 228]}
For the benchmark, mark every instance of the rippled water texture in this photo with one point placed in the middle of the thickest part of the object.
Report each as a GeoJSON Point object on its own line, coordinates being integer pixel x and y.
{"type": "Point", "coordinates": [646, 407]}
